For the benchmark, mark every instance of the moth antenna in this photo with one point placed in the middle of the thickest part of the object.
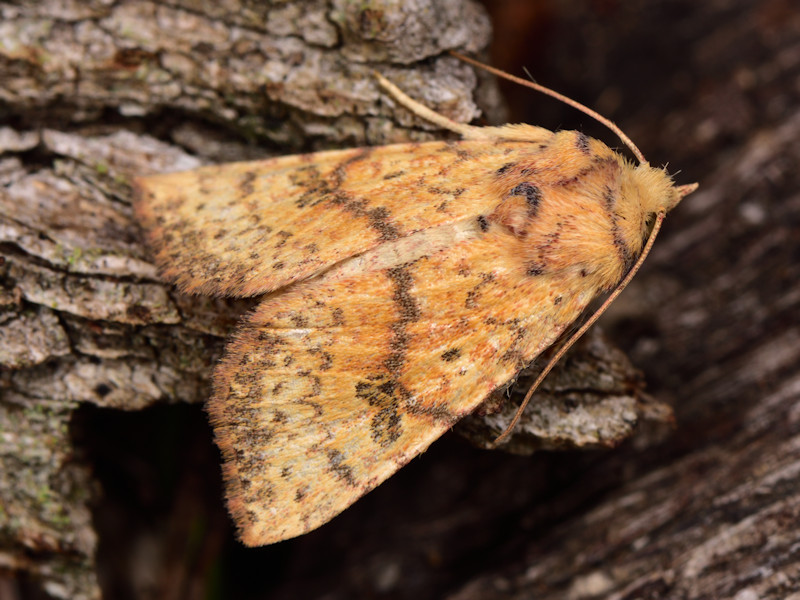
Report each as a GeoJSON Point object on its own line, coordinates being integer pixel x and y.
{"type": "Point", "coordinates": [566, 100]}
{"type": "Point", "coordinates": [589, 322]}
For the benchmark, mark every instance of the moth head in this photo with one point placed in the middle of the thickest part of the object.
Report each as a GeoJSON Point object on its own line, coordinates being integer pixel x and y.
{"type": "Point", "coordinates": [655, 189]}
{"type": "Point", "coordinates": [660, 196]}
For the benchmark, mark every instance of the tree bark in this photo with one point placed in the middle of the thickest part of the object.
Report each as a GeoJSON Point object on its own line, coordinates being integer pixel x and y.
{"type": "Point", "coordinates": [96, 93]}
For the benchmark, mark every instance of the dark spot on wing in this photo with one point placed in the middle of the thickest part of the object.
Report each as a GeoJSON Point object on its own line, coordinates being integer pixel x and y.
{"type": "Point", "coordinates": [624, 253]}
{"type": "Point", "coordinates": [532, 194]}
{"type": "Point", "coordinates": [326, 358]}
{"type": "Point", "coordinates": [379, 217]}
{"type": "Point", "coordinates": [471, 301]}
{"type": "Point", "coordinates": [379, 220]}
{"type": "Point", "coordinates": [399, 345]}
{"type": "Point", "coordinates": [505, 168]}
{"type": "Point", "coordinates": [246, 184]}
{"type": "Point", "coordinates": [534, 269]}
{"type": "Point", "coordinates": [298, 320]}
{"type": "Point", "coordinates": [315, 187]}
{"type": "Point", "coordinates": [386, 425]}
{"type": "Point", "coordinates": [402, 297]}
{"type": "Point", "coordinates": [451, 354]}
{"type": "Point", "coordinates": [283, 235]}
{"type": "Point", "coordinates": [337, 466]}
{"type": "Point", "coordinates": [437, 413]}
{"type": "Point", "coordinates": [582, 142]}
{"type": "Point", "coordinates": [340, 174]}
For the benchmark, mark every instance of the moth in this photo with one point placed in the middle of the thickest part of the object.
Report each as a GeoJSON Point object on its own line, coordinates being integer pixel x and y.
{"type": "Point", "coordinates": [401, 286]}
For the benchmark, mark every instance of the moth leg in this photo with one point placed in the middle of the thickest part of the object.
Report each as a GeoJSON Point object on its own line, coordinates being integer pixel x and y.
{"type": "Point", "coordinates": [524, 133]}
{"type": "Point", "coordinates": [468, 132]}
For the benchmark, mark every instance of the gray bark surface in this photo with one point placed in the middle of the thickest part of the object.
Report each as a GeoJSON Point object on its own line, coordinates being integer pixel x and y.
{"type": "Point", "coordinates": [108, 478]}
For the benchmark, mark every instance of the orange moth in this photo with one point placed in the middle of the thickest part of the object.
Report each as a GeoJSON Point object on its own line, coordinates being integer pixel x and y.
{"type": "Point", "coordinates": [401, 285]}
